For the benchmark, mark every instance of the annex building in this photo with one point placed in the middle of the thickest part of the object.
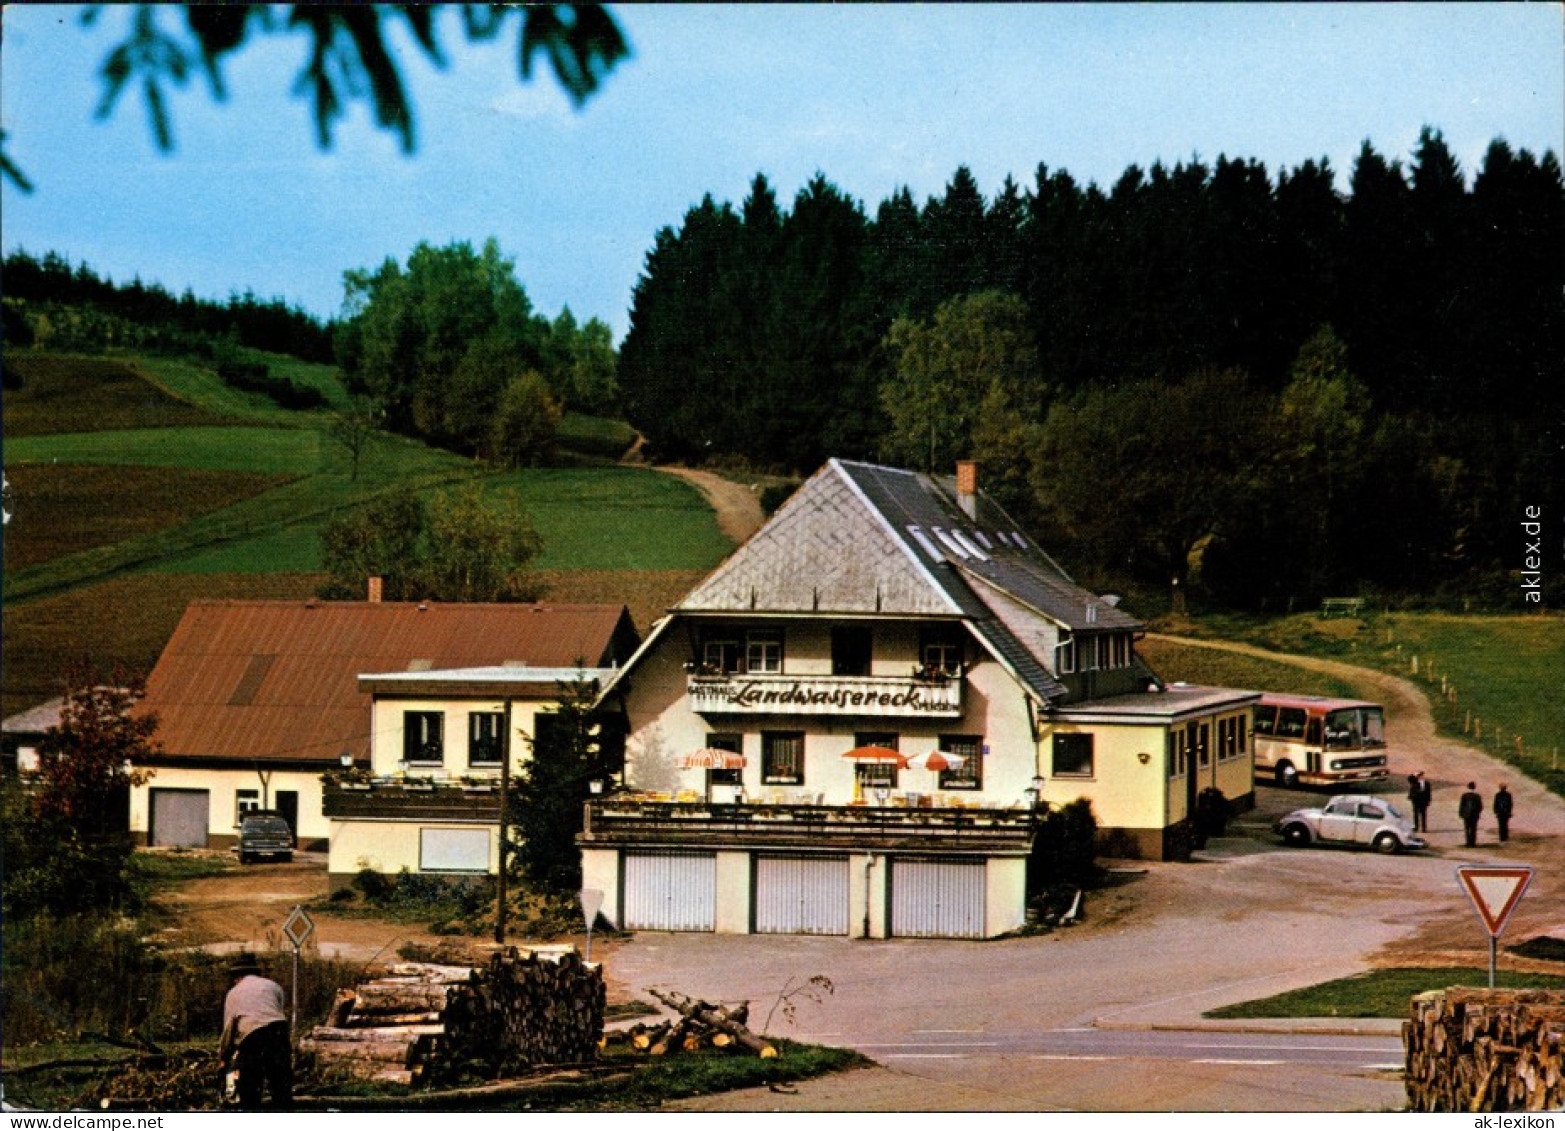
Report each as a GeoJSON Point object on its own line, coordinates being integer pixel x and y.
{"type": "Point", "coordinates": [258, 700]}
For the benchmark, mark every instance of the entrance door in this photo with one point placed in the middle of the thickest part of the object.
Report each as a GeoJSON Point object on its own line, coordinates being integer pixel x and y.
{"type": "Point", "coordinates": [178, 818]}
{"type": "Point", "coordinates": [938, 899]}
{"type": "Point", "coordinates": [288, 806]}
{"type": "Point", "coordinates": [801, 895]}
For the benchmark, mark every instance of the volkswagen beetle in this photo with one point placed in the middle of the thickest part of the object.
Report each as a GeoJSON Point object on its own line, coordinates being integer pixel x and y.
{"type": "Point", "coordinates": [1353, 819]}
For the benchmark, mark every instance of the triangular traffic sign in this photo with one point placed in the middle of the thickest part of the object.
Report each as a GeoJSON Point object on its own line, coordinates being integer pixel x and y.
{"type": "Point", "coordinates": [1494, 891]}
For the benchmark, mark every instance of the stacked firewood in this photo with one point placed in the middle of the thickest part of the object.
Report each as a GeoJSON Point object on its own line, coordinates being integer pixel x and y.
{"type": "Point", "coordinates": [699, 1025]}
{"type": "Point", "coordinates": [427, 1023]}
{"type": "Point", "coordinates": [1474, 1050]}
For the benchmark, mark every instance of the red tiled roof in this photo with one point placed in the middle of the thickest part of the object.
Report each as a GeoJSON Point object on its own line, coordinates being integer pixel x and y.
{"type": "Point", "coordinates": [218, 695]}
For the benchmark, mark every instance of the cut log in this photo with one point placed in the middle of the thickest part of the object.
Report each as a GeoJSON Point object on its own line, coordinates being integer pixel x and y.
{"type": "Point", "coordinates": [715, 1018]}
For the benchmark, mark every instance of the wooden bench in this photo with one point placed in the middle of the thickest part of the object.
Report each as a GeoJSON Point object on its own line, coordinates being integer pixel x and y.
{"type": "Point", "coordinates": [1341, 606]}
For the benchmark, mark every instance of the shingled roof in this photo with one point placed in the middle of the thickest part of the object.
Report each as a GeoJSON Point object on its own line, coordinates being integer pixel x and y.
{"type": "Point", "coordinates": [277, 681]}
{"type": "Point", "coordinates": [859, 538]}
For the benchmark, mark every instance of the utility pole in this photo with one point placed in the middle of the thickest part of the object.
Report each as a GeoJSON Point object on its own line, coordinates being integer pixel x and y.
{"type": "Point", "coordinates": [505, 808]}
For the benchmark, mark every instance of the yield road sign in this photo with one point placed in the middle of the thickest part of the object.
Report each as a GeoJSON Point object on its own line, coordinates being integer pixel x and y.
{"type": "Point", "coordinates": [1494, 891]}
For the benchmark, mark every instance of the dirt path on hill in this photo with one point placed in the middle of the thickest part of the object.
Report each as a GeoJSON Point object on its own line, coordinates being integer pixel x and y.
{"type": "Point", "coordinates": [738, 510]}
{"type": "Point", "coordinates": [1537, 830]}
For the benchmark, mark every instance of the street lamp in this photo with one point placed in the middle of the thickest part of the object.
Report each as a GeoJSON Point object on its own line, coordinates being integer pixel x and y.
{"type": "Point", "coordinates": [346, 759]}
{"type": "Point", "coordinates": [1034, 792]}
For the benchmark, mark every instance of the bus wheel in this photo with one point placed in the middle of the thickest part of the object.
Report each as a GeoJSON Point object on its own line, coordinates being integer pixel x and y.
{"type": "Point", "coordinates": [1287, 776]}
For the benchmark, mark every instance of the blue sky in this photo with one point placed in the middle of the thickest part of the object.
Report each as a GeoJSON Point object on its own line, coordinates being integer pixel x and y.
{"type": "Point", "coordinates": [873, 96]}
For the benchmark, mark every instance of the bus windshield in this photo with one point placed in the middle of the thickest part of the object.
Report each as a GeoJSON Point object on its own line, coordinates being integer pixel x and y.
{"type": "Point", "coordinates": [1353, 728]}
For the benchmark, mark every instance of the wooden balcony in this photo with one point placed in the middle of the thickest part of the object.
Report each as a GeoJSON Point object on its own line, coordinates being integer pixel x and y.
{"type": "Point", "coordinates": [636, 822]}
{"type": "Point", "coordinates": [412, 801]}
{"type": "Point", "coordinates": [768, 694]}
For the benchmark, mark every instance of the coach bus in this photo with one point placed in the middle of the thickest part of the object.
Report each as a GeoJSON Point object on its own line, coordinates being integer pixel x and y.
{"type": "Point", "coordinates": [1314, 740]}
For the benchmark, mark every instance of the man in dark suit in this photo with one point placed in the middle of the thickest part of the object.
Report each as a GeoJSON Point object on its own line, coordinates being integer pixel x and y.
{"type": "Point", "coordinates": [1503, 807]}
{"type": "Point", "coordinates": [1470, 808]}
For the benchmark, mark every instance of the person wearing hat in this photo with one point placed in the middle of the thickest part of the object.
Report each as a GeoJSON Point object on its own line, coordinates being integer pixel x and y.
{"type": "Point", "coordinates": [256, 1038]}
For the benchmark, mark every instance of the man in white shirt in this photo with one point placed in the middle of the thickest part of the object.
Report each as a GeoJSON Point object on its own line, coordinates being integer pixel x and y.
{"type": "Point", "coordinates": [256, 1038]}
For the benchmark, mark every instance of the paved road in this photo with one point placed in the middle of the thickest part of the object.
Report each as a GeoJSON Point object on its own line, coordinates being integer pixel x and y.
{"type": "Point", "coordinates": [1365, 1052]}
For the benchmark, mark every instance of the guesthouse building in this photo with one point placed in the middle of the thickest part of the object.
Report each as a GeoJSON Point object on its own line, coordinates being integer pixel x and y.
{"type": "Point", "coordinates": [852, 725]}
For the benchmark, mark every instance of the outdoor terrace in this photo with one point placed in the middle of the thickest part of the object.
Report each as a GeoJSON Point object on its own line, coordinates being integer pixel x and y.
{"type": "Point", "coordinates": [630, 820]}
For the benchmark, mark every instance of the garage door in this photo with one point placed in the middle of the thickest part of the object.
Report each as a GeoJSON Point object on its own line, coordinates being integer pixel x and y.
{"type": "Point", "coordinates": [801, 895]}
{"type": "Point", "coordinates": [670, 891]}
{"type": "Point", "coordinates": [937, 899]}
{"type": "Point", "coordinates": [179, 818]}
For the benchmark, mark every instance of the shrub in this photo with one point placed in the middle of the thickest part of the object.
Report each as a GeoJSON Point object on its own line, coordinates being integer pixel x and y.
{"type": "Point", "coordinates": [1064, 852]}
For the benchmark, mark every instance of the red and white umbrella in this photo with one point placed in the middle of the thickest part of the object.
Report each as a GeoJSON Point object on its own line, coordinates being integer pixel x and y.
{"type": "Point", "coordinates": [936, 760]}
{"type": "Point", "coordinates": [711, 758]}
{"type": "Point", "coordinates": [876, 756]}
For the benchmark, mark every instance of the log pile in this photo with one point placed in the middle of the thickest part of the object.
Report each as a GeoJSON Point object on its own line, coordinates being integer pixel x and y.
{"type": "Point", "coordinates": [424, 1023]}
{"type": "Point", "coordinates": [1478, 1050]}
{"type": "Point", "coordinates": [699, 1025]}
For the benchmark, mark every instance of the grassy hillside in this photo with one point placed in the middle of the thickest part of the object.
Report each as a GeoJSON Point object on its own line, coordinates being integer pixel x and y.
{"type": "Point", "coordinates": [141, 482]}
{"type": "Point", "coordinates": [1192, 664]}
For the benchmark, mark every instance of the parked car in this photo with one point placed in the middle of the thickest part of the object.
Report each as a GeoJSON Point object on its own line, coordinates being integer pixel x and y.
{"type": "Point", "coordinates": [1357, 819]}
{"type": "Point", "coordinates": [263, 832]}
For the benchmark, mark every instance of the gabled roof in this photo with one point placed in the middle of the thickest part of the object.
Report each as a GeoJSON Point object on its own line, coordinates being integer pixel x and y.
{"type": "Point", "coordinates": [34, 720]}
{"type": "Point", "coordinates": [278, 680]}
{"type": "Point", "coordinates": [861, 539]}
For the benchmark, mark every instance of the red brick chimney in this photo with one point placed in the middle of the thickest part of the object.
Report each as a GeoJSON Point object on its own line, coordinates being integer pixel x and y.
{"type": "Point", "coordinates": [967, 487]}
{"type": "Point", "coordinates": [374, 593]}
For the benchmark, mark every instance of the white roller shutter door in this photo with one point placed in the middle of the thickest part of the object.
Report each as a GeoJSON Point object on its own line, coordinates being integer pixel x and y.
{"type": "Point", "coordinates": [938, 899]}
{"type": "Point", "coordinates": [179, 817]}
{"type": "Point", "coordinates": [801, 895]}
{"type": "Point", "coordinates": [670, 891]}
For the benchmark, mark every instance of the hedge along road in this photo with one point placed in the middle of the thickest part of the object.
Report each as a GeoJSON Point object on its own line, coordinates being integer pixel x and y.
{"type": "Point", "coordinates": [998, 1025]}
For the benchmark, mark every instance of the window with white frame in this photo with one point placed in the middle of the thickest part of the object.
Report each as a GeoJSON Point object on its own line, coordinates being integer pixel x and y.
{"type": "Point", "coordinates": [720, 651]}
{"type": "Point", "coordinates": [1065, 656]}
{"type": "Point", "coordinates": [1177, 755]}
{"type": "Point", "coordinates": [245, 801]}
{"type": "Point", "coordinates": [763, 650]}
{"type": "Point", "coordinates": [940, 652]}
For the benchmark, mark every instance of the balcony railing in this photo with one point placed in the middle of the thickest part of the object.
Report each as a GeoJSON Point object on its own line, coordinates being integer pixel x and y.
{"type": "Point", "coordinates": [772, 694]}
{"type": "Point", "coordinates": [412, 800]}
{"type": "Point", "coordinates": [633, 822]}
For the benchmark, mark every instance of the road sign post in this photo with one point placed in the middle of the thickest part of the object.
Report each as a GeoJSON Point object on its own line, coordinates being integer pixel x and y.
{"type": "Point", "coordinates": [298, 927]}
{"type": "Point", "coordinates": [591, 901]}
{"type": "Point", "coordinates": [1494, 891]}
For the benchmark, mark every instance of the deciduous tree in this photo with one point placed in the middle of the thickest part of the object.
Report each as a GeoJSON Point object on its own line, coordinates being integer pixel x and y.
{"type": "Point", "coordinates": [66, 845]}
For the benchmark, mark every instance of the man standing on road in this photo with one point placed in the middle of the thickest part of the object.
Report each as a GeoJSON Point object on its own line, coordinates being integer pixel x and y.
{"type": "Point", "coordinates": [1502, 812]}
{"type": "Point", "coordinates": [1470, 808]}
{"type": "Point", "coordinates": [256, 1038]}
{"type": "Point", "coordinates": [1419, 794]}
